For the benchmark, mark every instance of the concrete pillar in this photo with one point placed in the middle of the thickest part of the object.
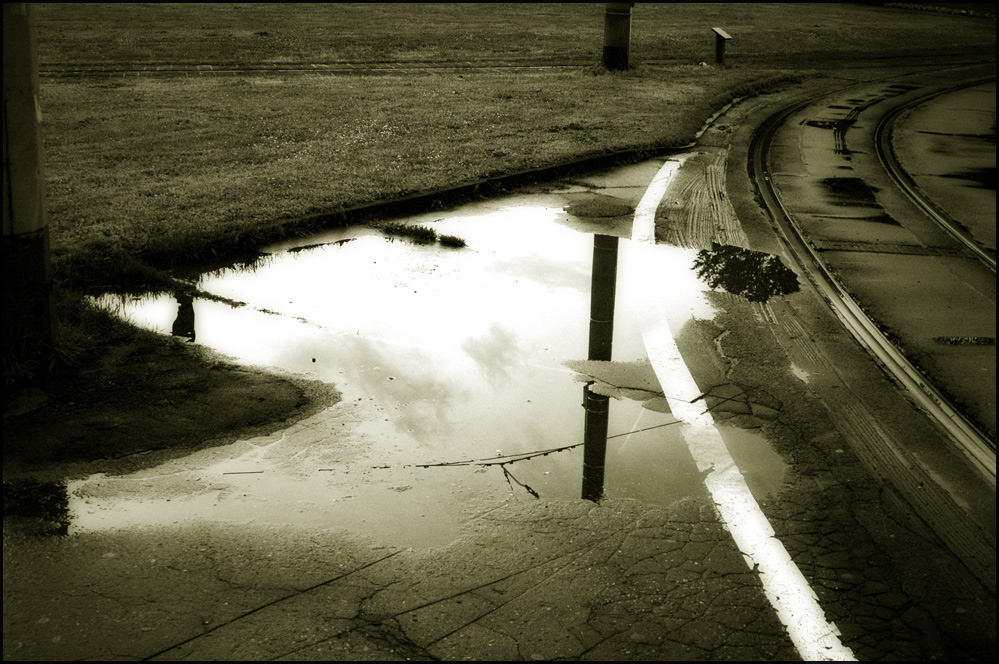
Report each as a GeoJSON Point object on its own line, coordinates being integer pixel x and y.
{"type": "Point", "coordinates": [617, 35]}
{"type": "Point", "coordinates": [28, 317]}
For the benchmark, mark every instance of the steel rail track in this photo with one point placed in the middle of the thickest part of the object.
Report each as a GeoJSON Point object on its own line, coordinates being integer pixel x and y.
{"type": "Point", "coordinates": [908, 186]}
{"type": "Point", "coordinates": [962, 432]}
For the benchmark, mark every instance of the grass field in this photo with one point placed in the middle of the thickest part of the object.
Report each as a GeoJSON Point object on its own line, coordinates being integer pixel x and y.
{"type": "Point", "coordinates": [189, 167]}
{"type": "Point", "coordinates": [460, 32]}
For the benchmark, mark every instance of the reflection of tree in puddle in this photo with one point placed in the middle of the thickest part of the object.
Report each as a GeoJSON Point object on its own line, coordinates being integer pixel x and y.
{"type": "Point", "coordinates": [755, 275]}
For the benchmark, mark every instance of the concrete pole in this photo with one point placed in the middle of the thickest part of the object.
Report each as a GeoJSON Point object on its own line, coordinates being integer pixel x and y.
{"type": "Point", "coordinates": [603, 288]}
{"type": "Point", "coordinates": [29, 321]}
{"type": "Point", "coordinates": [617, 35]}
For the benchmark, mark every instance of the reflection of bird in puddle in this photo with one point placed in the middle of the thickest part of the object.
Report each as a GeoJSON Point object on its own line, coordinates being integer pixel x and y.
{"type": "Point", "coordinates": [183, 325]}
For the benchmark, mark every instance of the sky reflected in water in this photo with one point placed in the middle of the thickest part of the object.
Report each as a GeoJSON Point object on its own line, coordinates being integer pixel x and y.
{"type": "Point", "coordinates": [456, 354]}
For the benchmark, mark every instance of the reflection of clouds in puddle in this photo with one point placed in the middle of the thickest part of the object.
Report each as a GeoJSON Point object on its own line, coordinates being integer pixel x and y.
{"type": "Point", "coordinates": [429, 295]}
{"type": "Point", "coordinates": [551, 272]}
{"type": "Point", "coordinates": [494, 351]}
{"type": "Point", "coordinates": [658, 280]}
{"type": "Point", "coordinates": [419, 388]}
{"type": "Point", "coordinates": [761, 466]}
{"type": "Point", "coordinates": [524, 244]}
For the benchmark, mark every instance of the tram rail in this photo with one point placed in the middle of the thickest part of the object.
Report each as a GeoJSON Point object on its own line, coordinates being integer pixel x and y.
{"type": "Point", "coordinates": [960, 429]}
{"type": "Point", "coordinates": [902, 179]}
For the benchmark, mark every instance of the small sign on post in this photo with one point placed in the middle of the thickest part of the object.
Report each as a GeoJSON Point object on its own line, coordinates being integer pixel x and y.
{"type": "Point", "coordinates": [720, 38]}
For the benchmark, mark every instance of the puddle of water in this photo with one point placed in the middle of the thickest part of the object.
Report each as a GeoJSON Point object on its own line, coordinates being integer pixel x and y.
{"type": "Point", "coordinates": [982, 178]}
{"type": "Point", "coordinates": [442, 356]}
{"type": "Point", "coordinates": [850, 191]}
{"type": "Point", "coordinates": [839, 127]}
{"type": "Point", "coordinates": [800, 373]}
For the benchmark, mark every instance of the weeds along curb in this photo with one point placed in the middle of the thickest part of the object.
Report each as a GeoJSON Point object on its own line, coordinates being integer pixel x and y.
{"type": "Point", "coordinates": [439, 199]}
{"type": "Point", "coordinates": [482, 188]}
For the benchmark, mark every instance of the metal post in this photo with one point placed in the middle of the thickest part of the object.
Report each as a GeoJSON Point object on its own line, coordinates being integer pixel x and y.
{"type": "Point", "coordinates": [29, 321]}
{"type": "Point", "coordinates": [617, 35]}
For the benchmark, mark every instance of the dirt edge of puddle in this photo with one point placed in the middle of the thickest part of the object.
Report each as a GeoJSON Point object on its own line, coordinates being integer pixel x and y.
{"type": "Point", "coordinates": [141, 400]}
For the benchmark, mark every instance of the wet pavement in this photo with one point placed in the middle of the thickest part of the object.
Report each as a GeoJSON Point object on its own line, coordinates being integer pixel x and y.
{"type": "Point", "coordinates": [934, 299]}
{"type": "Point", "coordinates": [958, 130]}
{"type": "Point", "coordinates": [435, 511]}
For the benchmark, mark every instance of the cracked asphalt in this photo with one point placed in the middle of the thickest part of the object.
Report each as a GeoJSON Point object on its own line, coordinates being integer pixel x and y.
{"type": "Point", "coordinates": [530, 581]}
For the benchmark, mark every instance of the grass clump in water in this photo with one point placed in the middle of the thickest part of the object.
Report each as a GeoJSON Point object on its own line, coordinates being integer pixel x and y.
{"type": "Point", "coordinates": [452, 241]}
{"type": "Point", "coordinates": [418, 234]}
{"type": "Point", "coordinates": [422, 235]}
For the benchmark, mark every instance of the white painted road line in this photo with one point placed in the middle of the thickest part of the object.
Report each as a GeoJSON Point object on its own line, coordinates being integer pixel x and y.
{"type": "Point", "coordinates": [644, 227]}
{"type": "Point", "coordinates": [785, 586]}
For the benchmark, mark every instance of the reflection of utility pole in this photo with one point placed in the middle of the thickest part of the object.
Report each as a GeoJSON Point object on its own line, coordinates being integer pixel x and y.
{"type": "Point", "coordinates": [594, 443]}
{"type": "Point", "coordinates": [617, 35]}
{"type": "Point", "coordinates": [28, 327]}
{"type": "Point", "coordinates": [603, 286]}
